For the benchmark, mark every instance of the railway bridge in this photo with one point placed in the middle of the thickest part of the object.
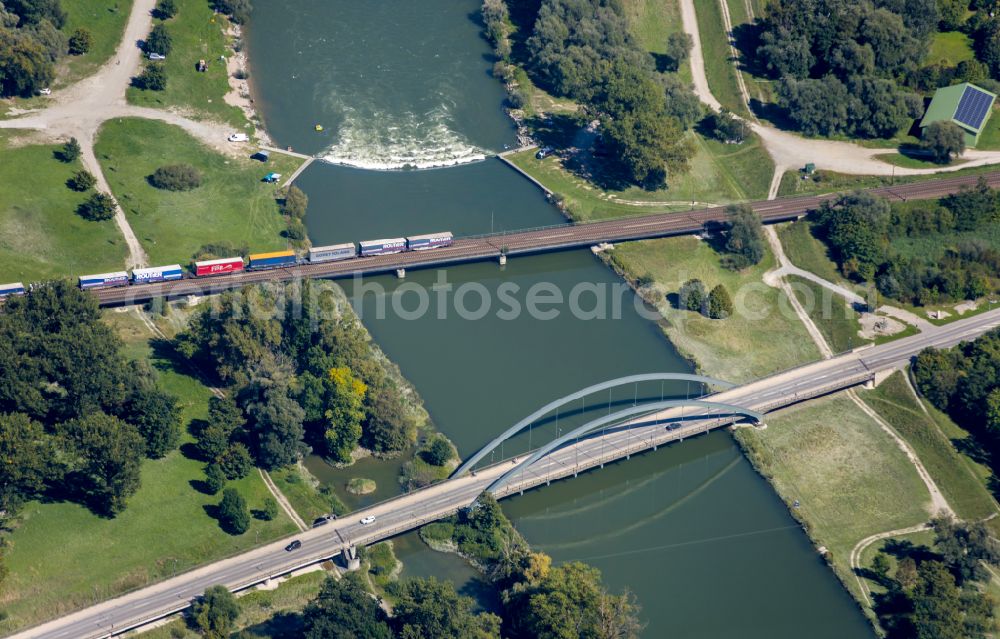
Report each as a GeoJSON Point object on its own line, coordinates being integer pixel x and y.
{"type": "Point", "coordinates": [633, 430]}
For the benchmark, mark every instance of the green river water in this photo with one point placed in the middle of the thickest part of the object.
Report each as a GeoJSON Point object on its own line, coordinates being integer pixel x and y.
{"type": "Point", "coordinates": [703, 542]}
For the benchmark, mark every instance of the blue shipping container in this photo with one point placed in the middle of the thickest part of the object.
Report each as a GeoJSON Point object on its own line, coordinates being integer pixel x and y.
{"type": "Point", "coordinates": [277, 259]}
{"type": "Point", "coordinates": [104, 280]}
{"type": "Point", "coordinates": [15, 288]}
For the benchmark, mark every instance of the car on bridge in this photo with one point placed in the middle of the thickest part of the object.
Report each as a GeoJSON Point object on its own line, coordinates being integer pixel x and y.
{"type": "Point", "coordinates": [295, 545]}
{"type": "Point", "coordinates": [322, 521]}
{"type": "Point", "coordinates": [673, 425]}
{"type": "Point", "coordinates": [370, 519]}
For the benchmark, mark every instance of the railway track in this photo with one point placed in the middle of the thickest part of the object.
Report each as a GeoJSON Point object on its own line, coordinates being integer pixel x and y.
{"type": "Point", "coordinates": [562, 237]}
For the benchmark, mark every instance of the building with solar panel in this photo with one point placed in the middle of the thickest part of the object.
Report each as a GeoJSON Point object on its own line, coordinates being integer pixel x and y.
{"type": "Point", "coordinates": [966, 105]}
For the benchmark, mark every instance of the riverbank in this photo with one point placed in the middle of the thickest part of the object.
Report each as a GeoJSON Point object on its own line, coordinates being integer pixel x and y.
{"type": "Point", "coordinates": [240, 76]}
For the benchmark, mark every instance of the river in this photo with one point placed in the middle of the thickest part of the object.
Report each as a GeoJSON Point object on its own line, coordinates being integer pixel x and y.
{"type": "Point", "coordinates": [703, 542]}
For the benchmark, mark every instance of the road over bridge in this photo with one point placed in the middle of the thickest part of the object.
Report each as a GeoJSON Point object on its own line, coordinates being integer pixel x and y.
{"type": "Point", "coordinates": [555, 238]}
{"type": "Point", "coordinates": [440, 500]}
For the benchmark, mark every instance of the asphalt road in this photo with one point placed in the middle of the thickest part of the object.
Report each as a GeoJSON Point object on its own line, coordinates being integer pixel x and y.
{"type": "Point", "coordinates": [417, 508]}
{"type": "Point", "coordinates": [562, 237]}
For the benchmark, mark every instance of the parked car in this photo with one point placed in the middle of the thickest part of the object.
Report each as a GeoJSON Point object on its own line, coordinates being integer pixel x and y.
{"type": "Point", "coordinates": [370, 519]}
{"type": "Point", "coordinates": [295, 545]}
{"type": "Point", "coordinates": [544, 153]}
{"type": "Point", "coordinates": [45, 91]}
{"type": "Point", "coordinates": [157, 56]}
{"type": "Point", "coordinates": [239, 137]}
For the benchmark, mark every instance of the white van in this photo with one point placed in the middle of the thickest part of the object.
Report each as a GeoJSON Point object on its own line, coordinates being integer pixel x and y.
{"type": "Point", "coordinates": [239, 137]}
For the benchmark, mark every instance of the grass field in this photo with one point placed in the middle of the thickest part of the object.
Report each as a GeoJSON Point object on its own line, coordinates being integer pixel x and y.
{"type": "Point", "coordinates": [197, 34]}
{"type": "Point", "coordinates": [832, 315]}
{"type": "Point", "coordinates": [307, 501]}
{"type": "Point", "coordinates": [105, 19]}
{"type": "Point", "coordinates": [850, 477]}
{"type": "Point", "coordinates": [830, 182]}
{"type": "Point", "coordinates": [912, 162]}
{"type": "Point", "coordinates": [264, 614]}
{"type": "Point", "coordinates": [719, 64]}
{"type": "Point", "coordinates": [62, 557]}
{"type": "Point", "coordinates": [806, 252]}
{"type": "Point", "coordinates": [720, 174]}
{"type": "Point", "coordinates": [764, 338]}
{"type": "Point", "coordinates": [949, 48]}
{"type": "Point", "coordinates": [961, 480]}
{"type": "Point", "coordinates": [651, 22]}
{"type": "Point", "coordinates": [232, 203]}
{"type": "Point", "coordinates": [41, 236]}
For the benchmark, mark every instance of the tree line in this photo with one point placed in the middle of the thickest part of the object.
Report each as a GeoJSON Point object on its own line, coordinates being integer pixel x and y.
{"type": "Point", "coordinates": [298, 374]}
{"type": "Point", "coordinates": [32, 40]}
{"type": "Point", "coordinates": [584, 50]}
{"type": "Point", "coordinates": [937, 591]}
{"type": "Point", "coordinates": [76, 418]}
{"type": "Point", "coordinates": [860, 229]}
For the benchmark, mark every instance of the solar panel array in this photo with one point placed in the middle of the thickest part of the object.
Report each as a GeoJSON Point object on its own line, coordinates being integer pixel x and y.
{"type": "Point", "coordinates": [973, 106]}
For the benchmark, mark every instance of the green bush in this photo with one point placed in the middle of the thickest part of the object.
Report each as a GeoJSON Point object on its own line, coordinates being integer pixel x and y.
{"type": "Point", "coordinates": [152, 78]}
{"type": "Point", "coordinates": [438, 452]}
{"type": "Point", "coordinates": [176, 177]}
{"type": "Point", "coordinates": [97, 208]}
{"type": "Point", "coordinates": [166, 9]}
{"type": "Point", "coordinates": [159, 40]}
{"type": "Point", "coordinates": [70, 151]}
{"type": "Point", "coordinates": [81, 181]}
{"type": "Point", "coordinates": [80, 42]}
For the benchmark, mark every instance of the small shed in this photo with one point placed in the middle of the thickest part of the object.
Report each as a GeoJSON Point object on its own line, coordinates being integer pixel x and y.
{"type": "Point", "coordinates": [966, 105]}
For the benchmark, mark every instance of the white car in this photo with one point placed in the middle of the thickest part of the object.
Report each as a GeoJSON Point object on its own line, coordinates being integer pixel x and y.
{"type": "Point", "coordinates": [45, 91]}
{"type": "Point", "coordinates": [157, 56]}
{"type": "Point", "coordinates": [370, 519]}
{"type": "Point", "coordinates": [239, 137]}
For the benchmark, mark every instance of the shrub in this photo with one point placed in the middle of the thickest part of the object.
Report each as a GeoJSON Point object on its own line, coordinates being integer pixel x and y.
{"type": "Point", "coordinates": [81, 181]}
{"type": "Point", "coordinates": [97, 208]}
{"type": "Point", "coordinates": [270, 509]}
{"type": "Point", "coordinates": [70, 151]}
{"type": "Point", "coordinates": [237, 10]}
{"type": "Point", "coordinates": [215, 478]}
{"type": "Point", "coordinates": [943, 140]}
{"type": "Point", "coordinates": [233, 513]}
{"type": "Point", "coordinates": [241, 74]}
{"type": "Point", "coordinates": [159, 40]}
{"type": "Point", "coordinates": [692, 296]}
{"type": "Point", "coordinates": [296, 230]}
{"type": "Point", "coordinates": [80, 42]}
{"type": "Point", "coordinates": [152, 78]}
{"type": "Point", "coordinates": [176, 177]}
{"type": "Point", "coordinates": [438, 452]}
{"type": "Point", "coordinates": [720, 305]}
{"type": "Point", "coordinates": [295, 203]}
{"type": "Point", "coordinates": [166, 9]}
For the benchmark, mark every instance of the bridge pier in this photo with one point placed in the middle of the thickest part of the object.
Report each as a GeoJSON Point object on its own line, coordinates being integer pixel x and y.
{"type": "Point", "coordinates": [503, 259]}
{"type": "Point", "coordinates": [401, 273]}
{"type": "Point", "coordinates": [350, 556]}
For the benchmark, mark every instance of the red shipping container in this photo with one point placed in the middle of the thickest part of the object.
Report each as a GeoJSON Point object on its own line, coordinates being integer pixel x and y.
{"type": "Point", "coordinates": [218, 267]}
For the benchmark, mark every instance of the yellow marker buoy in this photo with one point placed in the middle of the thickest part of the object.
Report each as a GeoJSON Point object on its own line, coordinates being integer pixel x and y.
{"type": "Point", "coordinates": [319, 127]}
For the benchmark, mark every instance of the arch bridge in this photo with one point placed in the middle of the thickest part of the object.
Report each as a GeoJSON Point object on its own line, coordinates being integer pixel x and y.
{"type": "Point", "coordinates": [626, 418]}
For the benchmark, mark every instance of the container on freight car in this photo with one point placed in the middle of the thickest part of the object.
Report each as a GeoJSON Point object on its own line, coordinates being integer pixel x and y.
{"type": "Point", "coordinates": [157, 274]}
{"type": "Point", "coordinates": [14, 288]}
{"type": "Point", "coordinates": [218, 267]}
{"type": "Point", "coordinates": [104, 280]}
{"type": "Point", "coordinates": [383, 247]}
{"type": "Point", "coordinates": [332, 252]}
{"type": "Point", "coordinates": [276, 259]}
{"type": "Point", "coordinates": [428, 241]}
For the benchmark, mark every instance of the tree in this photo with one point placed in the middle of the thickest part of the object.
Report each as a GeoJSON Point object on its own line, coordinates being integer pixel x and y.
{"type": "Point", "coordinates": [276, 425]}
{"type": "Point", "coordinates": [29, 456]}
{"type": "Point", "coordinates": [965, 548]}
{"type": "Point", "coordinates": [152, 78]}
{"type": "Point", "coordinates": [107, 458]}
{"type": "Point", "coordinates": [728, 128]}
{"type": "Point", "coordinates": [270, 509]}
{"type": "Point", "coordinates": [344, 608]}
{"type": "Point", "coordinates": [720, 305]}
{"type": "Point", "coordinates": [158, 40]}
{"type": "Point", "coordinates": [157, 416]}
{"type": "Point", "coordinates": [439, 452]}
{"type": "Point", "coordinates": [80, 41]}
{"type": "Point", "coordinates": [32, 12]}
{"type": "Point", "coordinates": [237, 10]}
{"type": "Point", "coordinates": [344, 413]}
{"type": "Point", "coordinates": [388, 427]}
{"type": "Point", "coordinates": [295, 203]}
{"type": "Point", "coordinates": [166, 9]}
{"type": "Point", "coordinates": [937, 612]}
{"type": "Point", "coordinates": [236, 462]}
{"type": "Point", "coordinates": [82, 180]}
{"type": "Point", "coordinates": [429, 608]}
{"type": "Point", "coordinates": [234, 517]}
{"type": "Point", "coordinates": [98, 207]}
{"type": "Point", "coordinates": [224, 419]}
{"type": "Point", "coordinates": [25, 66]}
{"type": "Point", "coordinates": [678, 49]}
{"type": "Point", "coordinates": [692, 296]}
{"type": "Point", "coordinates": [70, 151]}
{"type": "Point", "coordinates": [881, 566]}
{"type": "Point", "coordinates": [215, 612]}
{"type": "Point", "coordinates": [744, 237]}
{"type": "Point", "coordinates": [215, 478]}
{"type": "Point", "coordinates": [943, 140]}
{"type": "Point", "coordinates": [176, 177]}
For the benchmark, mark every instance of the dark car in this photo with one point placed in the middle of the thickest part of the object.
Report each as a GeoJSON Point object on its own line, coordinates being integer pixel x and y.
{"type": "Point", "coordinates": [673, 425]}
{"type": "Point", "coordinates": [295, 545]}
{"type": "Point", "coordinates": [320, 521]}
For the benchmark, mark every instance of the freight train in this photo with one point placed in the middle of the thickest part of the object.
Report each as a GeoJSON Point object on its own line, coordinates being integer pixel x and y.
{"type": "Point", "coordinates": [255, 262]}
